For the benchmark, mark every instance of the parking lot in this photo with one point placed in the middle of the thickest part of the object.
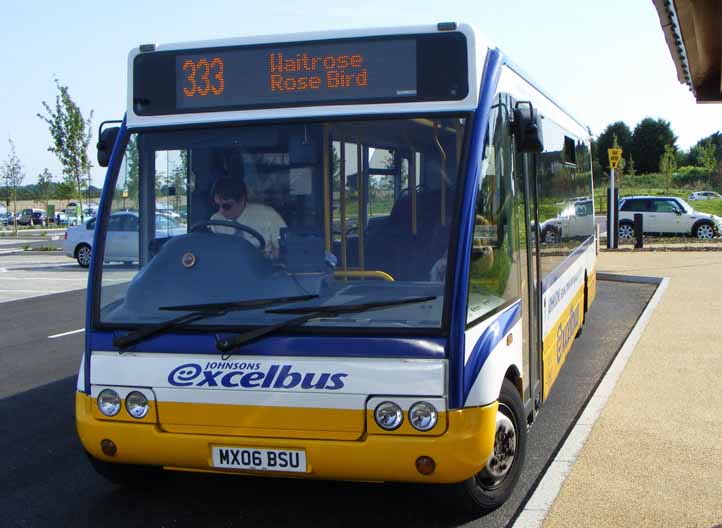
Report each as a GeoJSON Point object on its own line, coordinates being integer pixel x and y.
{"type": "Point", "coordinates": [25, 274]}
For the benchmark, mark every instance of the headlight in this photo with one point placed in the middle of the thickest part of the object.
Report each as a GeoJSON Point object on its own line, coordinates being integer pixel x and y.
{"type": "Point", "coordinates": [137, 404]}
{"type": "Point", "coordinates": [423, 416]}
{"type": "Point", "coordinates": [109, 402]}
{"type": "Point", "coordinates": [388, 415]}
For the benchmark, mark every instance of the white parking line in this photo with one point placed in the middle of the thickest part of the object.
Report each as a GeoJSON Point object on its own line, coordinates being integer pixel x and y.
{"type": "Point", "coordinates": [32, 291]}
{"type": "Point", "coordinates": [67, 333]}
{"type": "Point", "coordinates": [84, 279]}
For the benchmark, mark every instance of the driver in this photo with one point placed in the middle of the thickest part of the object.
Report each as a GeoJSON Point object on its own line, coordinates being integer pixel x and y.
{"type": "Point", "coordinates": [231, 197]}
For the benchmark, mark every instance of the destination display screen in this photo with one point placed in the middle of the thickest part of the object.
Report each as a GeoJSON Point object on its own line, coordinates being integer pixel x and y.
{"type": "Point", "coordinates": [391, 69]}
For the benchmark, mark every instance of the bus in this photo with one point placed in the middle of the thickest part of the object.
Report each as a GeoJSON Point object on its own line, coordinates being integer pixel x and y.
{"type": "Point", "coordinates": [362, 290]}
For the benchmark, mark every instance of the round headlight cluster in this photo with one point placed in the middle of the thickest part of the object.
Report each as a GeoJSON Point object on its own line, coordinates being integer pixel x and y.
{"type": "Point", "coordinates": [109, 402]}
{"type": "Point", "coordinates": [137, 404]}
{"type": "Point", "coordinates": [423, 416]}
{"type": "Point", "coordinates": [388, 415]}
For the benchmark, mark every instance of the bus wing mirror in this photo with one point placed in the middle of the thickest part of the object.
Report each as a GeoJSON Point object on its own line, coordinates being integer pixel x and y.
{"type": "Point", "coordinates": [527, 128]}
{"type": "Point", "coordinates": [106, 140]}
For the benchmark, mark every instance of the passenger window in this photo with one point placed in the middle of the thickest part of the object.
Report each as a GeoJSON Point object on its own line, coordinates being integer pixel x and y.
{"type": "Point", "coordinates": [116, 223]}
{"type": "Point", "coordinates": [629, 206]}
{"type": "Point", "coordinates": [665, 206]}
{"type": "Point", "coordinates": [493, 268]}
{"type": "Point", "coordinates": [131, 223]}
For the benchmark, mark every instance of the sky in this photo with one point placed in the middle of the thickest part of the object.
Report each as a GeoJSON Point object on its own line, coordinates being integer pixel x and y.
{"type": "Point", "coordinates": [602, 60]}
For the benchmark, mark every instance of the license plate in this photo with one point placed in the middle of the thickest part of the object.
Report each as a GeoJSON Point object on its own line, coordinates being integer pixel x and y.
{"type": "Point", "coordinates": [257, 459]}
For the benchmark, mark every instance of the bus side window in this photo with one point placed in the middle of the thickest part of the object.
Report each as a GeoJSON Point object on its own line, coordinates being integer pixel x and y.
{"type": "Point", "coordinates": [492, 267]}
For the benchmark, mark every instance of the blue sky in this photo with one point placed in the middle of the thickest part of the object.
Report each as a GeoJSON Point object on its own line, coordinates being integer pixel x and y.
{"type": "Point", "coordinates": [603, 60]}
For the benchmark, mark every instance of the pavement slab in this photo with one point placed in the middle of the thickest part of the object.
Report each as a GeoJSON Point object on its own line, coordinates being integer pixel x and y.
{"type": "Point", "coordinates": [654, 457]}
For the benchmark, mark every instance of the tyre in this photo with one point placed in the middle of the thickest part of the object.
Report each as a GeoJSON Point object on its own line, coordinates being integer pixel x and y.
{"type": "Point", "coordinates": [492, 486]}
{"type": "Point", "coordinates": [82, 255]}
{"type": "Point", "coordinates": [626, 230]}
{"type": "Point", "coordinates": [550, 236]}
{"type": "Point", "coordinates": [127, 475]}
{"type": "Point", "coordinates": [704, 231]}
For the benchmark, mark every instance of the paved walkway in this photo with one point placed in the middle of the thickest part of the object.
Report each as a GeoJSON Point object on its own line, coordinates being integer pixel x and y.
{"type": "Point", "coordinates": [654, 457]}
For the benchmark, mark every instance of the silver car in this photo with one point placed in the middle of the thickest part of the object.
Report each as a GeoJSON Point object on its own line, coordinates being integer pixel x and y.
{"type": "Point", "coordinates": [122, 239]}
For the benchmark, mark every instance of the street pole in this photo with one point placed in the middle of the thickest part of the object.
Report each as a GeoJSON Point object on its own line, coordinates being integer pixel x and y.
{"type": "Point", "coordinates": [615, 154]}
{"type": "Point", "coordinates": [611, 239]}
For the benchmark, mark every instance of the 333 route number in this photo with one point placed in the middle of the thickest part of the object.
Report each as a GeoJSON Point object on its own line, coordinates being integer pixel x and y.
{"type": "Point", "coordinates": [203, 77]}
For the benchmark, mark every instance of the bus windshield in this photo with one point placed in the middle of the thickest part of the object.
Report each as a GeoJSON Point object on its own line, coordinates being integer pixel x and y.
{"type": "Point", "coordinates": [340, 212]}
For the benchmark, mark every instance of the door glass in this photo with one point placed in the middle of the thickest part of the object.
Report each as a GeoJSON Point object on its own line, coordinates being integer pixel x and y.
{"type": "Point", "coordinates": [171, 193]}
{"type": "Point", "coordinates": [665, 206]}
{"type": "Point", "coordinates": [493, 273]}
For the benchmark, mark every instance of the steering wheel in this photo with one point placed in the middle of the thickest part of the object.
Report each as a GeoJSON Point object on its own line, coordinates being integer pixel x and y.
{"type": "Point", "coordinates": [235, 225]}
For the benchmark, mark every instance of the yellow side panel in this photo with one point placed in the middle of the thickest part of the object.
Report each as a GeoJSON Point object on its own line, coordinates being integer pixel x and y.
{"type": "Point", "coordinates": [559, 340]}
{"type": "Point", "coordinates": [591, 288]}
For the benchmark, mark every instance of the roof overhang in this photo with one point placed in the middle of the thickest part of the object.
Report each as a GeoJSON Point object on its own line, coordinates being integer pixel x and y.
{"type": "Point", "coordinates": [692, 30]}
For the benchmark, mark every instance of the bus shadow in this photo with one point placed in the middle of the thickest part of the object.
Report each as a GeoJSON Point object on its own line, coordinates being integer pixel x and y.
{"type": "Point", "coordinates": [218, 500]}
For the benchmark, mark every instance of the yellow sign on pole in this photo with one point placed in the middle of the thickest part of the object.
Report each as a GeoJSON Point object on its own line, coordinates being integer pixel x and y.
{"type": "Point", "coordinates": [615, 154]}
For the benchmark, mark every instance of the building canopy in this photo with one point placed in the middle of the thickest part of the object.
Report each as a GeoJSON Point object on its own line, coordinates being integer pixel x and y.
{"type": "Point", "coordinates": [692, 30]}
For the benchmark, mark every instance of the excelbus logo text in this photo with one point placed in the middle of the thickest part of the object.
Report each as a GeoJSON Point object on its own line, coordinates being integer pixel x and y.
{"type": "Point", "coordinates": [250, 376]}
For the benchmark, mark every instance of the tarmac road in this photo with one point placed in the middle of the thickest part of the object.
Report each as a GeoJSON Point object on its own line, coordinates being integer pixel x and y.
{"type": "Point", "coordinates": [48, 482]}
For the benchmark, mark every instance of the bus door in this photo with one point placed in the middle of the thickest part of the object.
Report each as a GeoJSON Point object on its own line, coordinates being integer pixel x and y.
{"type": "Point", "coordinates": [527, 221]}
{"type": "Point", "coordinates": [367, 181]}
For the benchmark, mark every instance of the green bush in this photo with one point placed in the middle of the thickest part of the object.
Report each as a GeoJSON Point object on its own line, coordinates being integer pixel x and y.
{"type": "Point", "coordinates": [690, 177]}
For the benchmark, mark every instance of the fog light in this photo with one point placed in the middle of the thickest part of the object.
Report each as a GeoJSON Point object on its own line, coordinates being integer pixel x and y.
{"type": "Point", "coordinates": [109, 402]}
{"type": "Point", "coordinates": [137, 404]}
{"type": "Point", "coordinates": [109, 448]}
{"type": "Point", "coordinates": [425, 465]}
{"type": "Point", "coordinates": [423, 416]}
{"type": "Point", "coordinates": [388, 415]}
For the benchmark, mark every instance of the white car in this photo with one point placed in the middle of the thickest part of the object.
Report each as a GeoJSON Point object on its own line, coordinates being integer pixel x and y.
{"type": "Point", "coordinates": [666, 215]}
{"type": "Point", "coordinates": [704, 195]}
{"type": "Point", "coordinates": [576, 220]}
{"type": "Point", "coordinates": [122, 241]}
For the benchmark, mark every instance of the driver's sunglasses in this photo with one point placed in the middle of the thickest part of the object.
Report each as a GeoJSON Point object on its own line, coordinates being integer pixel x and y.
{"type": "Point", "coordinates": [226, 206]}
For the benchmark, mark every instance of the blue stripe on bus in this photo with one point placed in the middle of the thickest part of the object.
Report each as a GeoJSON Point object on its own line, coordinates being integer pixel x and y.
{"type": "Point", "coordinates": [116, 157]}
{"type": "Point", "coordinates": [565, 264]}
{"type": "Point", "coordinates": [301, 346]}
{"type": "Point", "coordinates": [491, 337]}
{"type": "Point", "coordinates": [489, 82]}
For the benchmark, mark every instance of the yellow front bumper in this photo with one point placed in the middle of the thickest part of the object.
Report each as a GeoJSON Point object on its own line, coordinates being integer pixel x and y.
{"type": "Point", "coordinates": [459, 453]}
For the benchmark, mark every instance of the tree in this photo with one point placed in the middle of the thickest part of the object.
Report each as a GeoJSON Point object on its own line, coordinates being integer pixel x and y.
{"type": "Point", "coordinates": [668, 164]}
{"type": "Point", "coordinates": [695, 158]}
{"type": "Point", "coordinates": [708, 159]}
{"type": "Point", "coordinates": [606, 140]}
{"type": "Point", "coordinates": [45, 180]}
{"type": "Point", "coordinates": [631, 169]}
{"type": "Point", "coordinates": [648, 141]}
{"type": "Point", "coordinates": [70, 133]}
{"type": "Point", "coordinates": [12, 176]}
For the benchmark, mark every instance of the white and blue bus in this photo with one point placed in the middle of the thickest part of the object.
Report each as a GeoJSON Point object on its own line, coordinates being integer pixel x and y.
{"type": "Point", "coordinates": [387, 249]}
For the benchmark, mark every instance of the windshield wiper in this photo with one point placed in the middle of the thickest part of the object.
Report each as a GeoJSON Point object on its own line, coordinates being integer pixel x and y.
{"type": "Point", "coordinates": [308, 313]}
{"type": "Point", "coordinates": [202, 311]}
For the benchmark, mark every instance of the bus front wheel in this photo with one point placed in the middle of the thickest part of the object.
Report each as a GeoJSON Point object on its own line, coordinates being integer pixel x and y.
{"type": "Point", "coordinates": [127, 475]}
{"type": "Point", "coordinates": [492, 486]}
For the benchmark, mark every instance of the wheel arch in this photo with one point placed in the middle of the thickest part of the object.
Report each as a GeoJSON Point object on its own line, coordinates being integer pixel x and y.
{"type": "Point", "coordinates": [700, 222]}
{"type": "Point", "coordinates": [78, 246]}
{"type": "Point", "coordinates": [513, 375]}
